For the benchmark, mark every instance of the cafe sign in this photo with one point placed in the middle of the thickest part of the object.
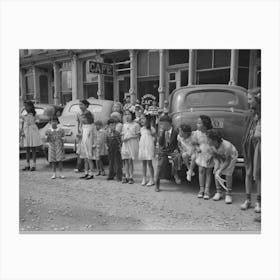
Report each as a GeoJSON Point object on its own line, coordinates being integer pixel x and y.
{"type": "Point", "coordinates": [95, 67]}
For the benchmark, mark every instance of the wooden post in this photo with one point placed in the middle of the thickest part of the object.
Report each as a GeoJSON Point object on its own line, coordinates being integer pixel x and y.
{"type": "Point", "coordinates": [36, 85]}
{"type": "Point", "coordinates": [233, 68]}
{"type": "Point", "coordinates": [22, 85]}
{"type": "Point", "coordinates": [133, 76]}
{"type": "Point", "coordinates": [192, 68]}
{"type": "Point", "coordinates": [74, 78]}
{"type": "Point", "coordinates": [161, 89]}
{"type": "Point", "coordinates": [56, 75]}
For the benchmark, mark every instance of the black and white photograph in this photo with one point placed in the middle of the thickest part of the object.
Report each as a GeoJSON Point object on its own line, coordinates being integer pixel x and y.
{"type": "Point", "coordinates": [140, 140]}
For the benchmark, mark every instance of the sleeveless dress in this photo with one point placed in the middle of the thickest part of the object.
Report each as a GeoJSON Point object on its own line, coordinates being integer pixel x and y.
{"type": "Point", "coordinates": [130, 148]}
{"type": "Point", "coordinates": [146, 144]}
{"type": "Point", "coordinates": [56, 145]}
{"type": "Point", "coordinates": [203, 154]}
{"type": "Point", "coordinates": [31, 132]}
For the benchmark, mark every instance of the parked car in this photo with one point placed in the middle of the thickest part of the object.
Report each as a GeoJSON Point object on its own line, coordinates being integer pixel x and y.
{"type": "Point", "coordinates": [101, 110]}
{"type": "Point", "coordinates": [225, 105]}
{"type": "Point", "coordinates": [45, 112]}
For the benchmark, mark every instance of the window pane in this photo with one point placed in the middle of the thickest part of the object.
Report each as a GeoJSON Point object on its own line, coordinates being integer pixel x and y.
{"type": "Point", "coordinates": [153, 63]}
{"type": "Point", "coordinates": [172, 77]}
{"type": "Point", "coordinates": [244, 58]}
{"type": "Point", "coordinates": [184, 78]}
{"type": "Point", "coordinates": [178, 56]}
{"type": "Point", "coordinates": [66, 80]}
{"type": "Point", "coordinates": [221, 58]}
{"type": "Point", "coordinates": [172, 86]}
{"type": "Point", "coordinates": [214, 77]}
{"type": "Point", "coordinates": [243, 76]}
{"type": "Point", "coordinates": [204, 59]}
{"type": "Point", "coordinates": [142, 65]}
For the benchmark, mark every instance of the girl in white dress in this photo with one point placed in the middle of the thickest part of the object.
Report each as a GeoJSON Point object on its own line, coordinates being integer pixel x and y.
{"type": "Point", "coordinates": [147, 149]}
{"type": "Point", "coordinates": [29, 132]}
{"type": "Point", "coordinates": [130, 145]}
{"type": "Point", "coordinates": [203, 156]}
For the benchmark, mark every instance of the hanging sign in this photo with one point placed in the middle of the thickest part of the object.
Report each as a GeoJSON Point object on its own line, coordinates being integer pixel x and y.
{"type": "Point", "coordinates": [99, 68]}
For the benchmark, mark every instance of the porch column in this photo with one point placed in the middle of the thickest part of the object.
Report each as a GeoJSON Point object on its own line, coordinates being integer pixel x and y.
{"type": "Point", "coordinates": [133, 76]}
{"type": "Point", "coordinates": [56, 74]}
{"type": "Point", "coordinates": [192, 68]}
{"type": "Point", "coordinates": [233, 68]}
{"type": "Point", "coordinates": [161, 89]}
{"type": "Point", "coordinates": [74, 78]}
{"type": "Point", "coordinates": [22, 85]}
{"type": "Point", "coordinates": [101, 86]}
{"type": "Point", "coordinates": [116, 85]}
{"type": "Point", "coordinates": [36, 84]}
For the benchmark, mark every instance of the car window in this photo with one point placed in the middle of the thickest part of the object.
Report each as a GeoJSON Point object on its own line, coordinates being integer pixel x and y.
{"type": "Point", "coordinates": [39, 111]}
{"type": "Point", "coordinates": [94, 108]}
{"type": "Point", "coordinates": [211, 98]}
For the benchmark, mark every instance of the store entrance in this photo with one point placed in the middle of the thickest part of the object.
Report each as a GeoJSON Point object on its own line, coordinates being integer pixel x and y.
{"type": "Point", "coordinates": [91, 90]}
{"type": "Point", "coordinates": [148, 87]}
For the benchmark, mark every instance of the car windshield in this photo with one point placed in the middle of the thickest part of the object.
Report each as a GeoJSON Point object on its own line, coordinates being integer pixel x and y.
{"type": "Point", "coordinates": [94, 108]}
{"type": "Point", "coordinates": [39, 111]}
{"type": "Point", "coordinates": [211, 98]}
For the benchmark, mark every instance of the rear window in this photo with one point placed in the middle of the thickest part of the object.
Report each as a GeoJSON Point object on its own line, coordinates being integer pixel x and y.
{"type": "Point", "coordinates": [39, 111]}
{"type": "Point", "coordinates": [94, 108]}
{"type": "Point", "coordinates": [211, 98]}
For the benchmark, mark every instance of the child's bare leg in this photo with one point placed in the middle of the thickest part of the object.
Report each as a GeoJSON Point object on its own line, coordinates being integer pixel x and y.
{"type": "Point", "coordinates": [60, 164]}
{"type": "Point", "coordinates": [229, 184]}
{"type": "Point", "coordinates": [34, 156]}
{"type": "Point", "coordinates": [151, 169]}
{"type": "Point", "coordinates": [202, 172]}
{"type": "Point", "coordinates": [258, 203]}
{"type": "Point", "coordinates": [248, 188]}
{"type": "Point", "coordinates": [126, 164]}
{"type": "Point", "coordinates": [86, 166]}
{"type": "Point", "coordinates": [90, 162]}
{"type": "Point", "coordinates": [190, 169]}
{"type": "Point", "coordinates": [27, 156]}
{"type": "Point", "coordinates": [54, 169]}
{"type": "Point", "coordinates": [131, 169]}
{"type": "Point", "coordinates": [208, 181]}
{"type": "Point", "coordinates": [144, 170]}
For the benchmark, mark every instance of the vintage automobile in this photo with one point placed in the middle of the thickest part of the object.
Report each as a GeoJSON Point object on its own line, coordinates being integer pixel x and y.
{"type": "Point", "coordinates": [45, 112]}
{"type": "Point", "coordinates": [101, 110]}
{"type": "Point", "coordinates": [225, 105]}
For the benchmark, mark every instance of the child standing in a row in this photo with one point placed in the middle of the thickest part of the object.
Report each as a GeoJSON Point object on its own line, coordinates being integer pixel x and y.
{"type": "Point", "coordinates": [130, 145]}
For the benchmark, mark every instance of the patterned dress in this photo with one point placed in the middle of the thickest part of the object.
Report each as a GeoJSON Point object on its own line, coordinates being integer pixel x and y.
{"type": "Point", "coordinates": [56, 146]}
{"type": "Point", "coordinates": [31, 132]}
{"type": "Point", "coordinates": [100, 144]}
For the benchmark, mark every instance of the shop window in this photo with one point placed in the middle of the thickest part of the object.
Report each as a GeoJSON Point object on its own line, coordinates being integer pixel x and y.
{"type": "Point", "coordinates": [184, 78]}
{"type": "Point", "coordinates": [148, 87]}
{"type": "Point", "coordinates": [66, 80]}
{"type": "Point", "coordinates": [109, 92]}
{"type": "Point", "coordinates": [142, 65]}
{"type": "Point", "coordinates": [244, 58]}
{"type": "Point", "coordinates": [243, 75]}
{"type": "Point", "coordinates": [91, 90]}
{"type": "Point", "coordinates": [204, 59]}
{"type": "Point", "coordinates": [178, 56]}
{"type": "Point", "coordinates": [172, 86]}
{"type": "Point", "coordinates": [172, 76]}
{"type": "Point", "coordinates": [213, 77]}
{"type": "Point", "coordinates": [153, 63]}
{"type": "Point", "coordinates": [222, 58]}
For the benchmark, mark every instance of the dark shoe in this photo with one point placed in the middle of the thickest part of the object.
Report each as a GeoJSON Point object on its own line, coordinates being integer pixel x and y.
{"type": "Point", "coordinates": [110, 178]}
{"type": "Point", "coordinates": [103, 173]}
{"type": "Point", "coordinates": [130, 181]}
{"type": "Point", "coordinates": [124, 180]}
{"type": "Point", "coordinates": [89, 177]}
{"type": "Point", "coordinates": [119, 179]}
{"type": "Point", "coordinates": [32, 169]}
{"type": "Point", "coordinates": [157, 189]}
{"type": "Point", "coordinates": [84, 177]}
{"type": "Point", "coordinates": [26, 168]}
{"type": "Point", "coordinates": [98, 174]}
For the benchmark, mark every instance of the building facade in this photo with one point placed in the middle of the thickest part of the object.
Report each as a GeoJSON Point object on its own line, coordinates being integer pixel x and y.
{"type": "Point", "coordinates": [57, 76]}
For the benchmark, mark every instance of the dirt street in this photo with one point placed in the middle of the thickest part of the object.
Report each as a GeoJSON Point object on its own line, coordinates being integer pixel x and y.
{"type": "Point", "coordinates": [73, 204]}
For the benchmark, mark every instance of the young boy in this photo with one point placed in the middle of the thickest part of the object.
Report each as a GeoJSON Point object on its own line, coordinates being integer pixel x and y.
{"type": "Point", "coordinates": [114, 143]}
{"type": "Point", "coordinates": [225, 156]}
{"type": "Point", "coordinates": [167, 148]}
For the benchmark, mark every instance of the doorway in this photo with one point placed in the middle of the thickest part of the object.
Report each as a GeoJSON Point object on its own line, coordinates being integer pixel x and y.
{"type": "Point", "coordinates": [44, 91]}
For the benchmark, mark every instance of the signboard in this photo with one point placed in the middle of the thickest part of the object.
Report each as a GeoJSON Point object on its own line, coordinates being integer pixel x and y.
{"type": "Point", "coordinates": [147, 99]}
{"type": "Point", "coordinates": [99, 68]}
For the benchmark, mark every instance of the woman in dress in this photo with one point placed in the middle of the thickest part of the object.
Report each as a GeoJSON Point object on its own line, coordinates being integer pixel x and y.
{"type": "Point", "coordinates": [147, 149]}
{"type": "Point", "coordinates": [29, 133]}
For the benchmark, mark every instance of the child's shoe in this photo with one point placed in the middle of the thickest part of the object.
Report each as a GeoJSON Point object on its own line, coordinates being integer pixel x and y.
{"type": "Point", "coordinates": [124, 180]}
{"type": "Point", "coordinates": [103, 173]}
{"type": "Point", "coordinates": [151, 183]}
{"type": "Point", "coordinates": [201, 193]}
{"type": "Point", "coordinates": [61, 176]}
{"type": "Point", "coordinates": [206, 196]}
{"type": "Point", "coordinates": [257, 207]}
{"type": "Point", "coordinates": [144, 182]}
{"type": "Point", "coordinates": [228, 199]}
{"type": "Point", "coordinates": [130, 181]}
{"type": "Point", "coordinates": [53, 176]}
{"type": "Point", "coordinates": [177, 180]}
{"type": "Point", "coordinates": [189, 175]}
{"type": "Point", "coordinates": [98, 174]}
{"type": "Point", "coordinates": [246, 205]}
{"type": "Point", "coordinates": [217, 196]}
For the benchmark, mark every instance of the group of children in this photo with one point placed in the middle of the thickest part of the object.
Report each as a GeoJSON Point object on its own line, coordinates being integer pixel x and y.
{"type": "Point", "coordinates": [126, 139]}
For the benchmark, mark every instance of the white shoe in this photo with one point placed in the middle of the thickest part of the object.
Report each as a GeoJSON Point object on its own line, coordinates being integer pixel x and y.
{"type": "Point", "coordinates": [228, 199]}
{"type": "Point", "coordinates": [200, 194]}
{"type": "Point", "coordinates": [62, 177]}
{"type": "Point", "coordinates": [151, 183]}
{"type": "Point", "coordinates": [53, 176]}
{"type": "Point", "coordinates": [246, 205]}
{"type": "Point", "coordinates": [217, 196]}
{"type": "Point", "coordinates": [144, 182]}
{"type": "Point", "coordinates": [177, 180]}
{"type": "Point", "coordinates": [257, 207]}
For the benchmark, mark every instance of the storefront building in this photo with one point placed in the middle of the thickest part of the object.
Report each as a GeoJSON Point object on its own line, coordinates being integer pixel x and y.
{"type": "Point", "coordinates": [58, 76]}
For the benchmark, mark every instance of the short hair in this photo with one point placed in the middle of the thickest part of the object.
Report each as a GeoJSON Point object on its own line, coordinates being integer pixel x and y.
{"type": "Point", "coordinates": [85, 102]}
{"type": "Point", "coordinates": [99, 123]}
{"type": "Point", "coordinates": [214, 135]}
{"type": "Point", "coordinates": [165, 118]}
{"type": "Point", "coordinates": [185, 128]}
{"type": "Point", "coordinates": [206, 121]}
{"type": "Point", "coordinates": [133, 117]}
{"type": "Point", "coordinates": [111, 120]}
